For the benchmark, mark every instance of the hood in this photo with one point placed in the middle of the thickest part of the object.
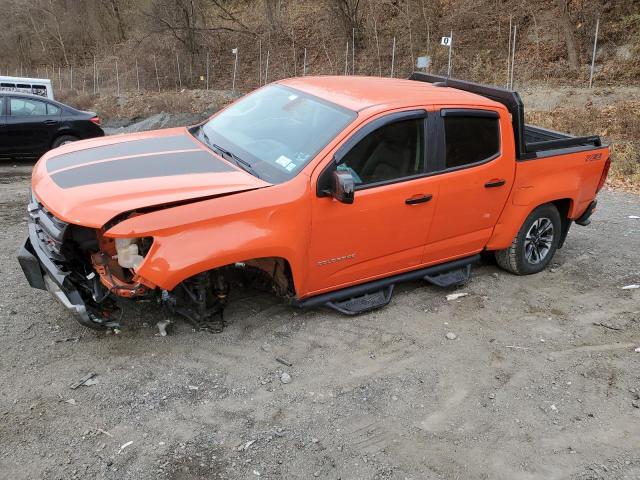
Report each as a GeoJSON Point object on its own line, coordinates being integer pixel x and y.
{"type": "Point", "coordinates": [90, 182]}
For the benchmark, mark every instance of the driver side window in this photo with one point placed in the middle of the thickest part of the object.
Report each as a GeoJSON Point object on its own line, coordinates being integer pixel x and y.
{"type": "Point", "coordinates": [393, 151]}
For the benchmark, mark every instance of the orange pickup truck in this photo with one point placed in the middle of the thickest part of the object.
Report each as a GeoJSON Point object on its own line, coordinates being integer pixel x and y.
{"type": "Point", "coordinates": [326, 190]}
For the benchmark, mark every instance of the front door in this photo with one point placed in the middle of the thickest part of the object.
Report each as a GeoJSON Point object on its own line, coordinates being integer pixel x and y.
{"type": "Point", "coordinates": [384, 230]}
{"type": "Point", "coordinates": [29, 126]}
{"type": "Point", "coordinates": [475, 174]}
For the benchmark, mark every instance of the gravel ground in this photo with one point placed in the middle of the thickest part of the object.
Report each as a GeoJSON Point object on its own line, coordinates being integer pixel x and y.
{"type": "Point", "coordinates": [541, 381]}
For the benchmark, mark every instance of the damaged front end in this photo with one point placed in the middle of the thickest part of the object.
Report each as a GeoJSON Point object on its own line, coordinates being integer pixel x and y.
{"type": "Point", "coordinates": [94, 276]}
{"type": "Point", "coordinates": [55, 258]}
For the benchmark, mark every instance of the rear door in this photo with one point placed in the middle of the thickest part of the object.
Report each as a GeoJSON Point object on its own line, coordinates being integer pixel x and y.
{"type": "Point", "coordinates": [475, 172]}
{"type": "Point", "coordinates": [31, 124]}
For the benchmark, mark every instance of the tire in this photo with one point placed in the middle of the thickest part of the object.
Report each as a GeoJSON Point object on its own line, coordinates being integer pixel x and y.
{"type": "Point", "coordinates": [62, 140]}
{"type": "Point", "coordinates": [535, 244]}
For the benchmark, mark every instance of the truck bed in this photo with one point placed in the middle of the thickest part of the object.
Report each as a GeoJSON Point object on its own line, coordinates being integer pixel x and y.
{"type": "Point", "coordinates": [531, 141]}
{"type": "Point", "coordinates": [538, 139]}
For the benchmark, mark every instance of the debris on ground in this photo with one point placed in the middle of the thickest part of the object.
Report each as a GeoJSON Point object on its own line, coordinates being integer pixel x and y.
{"type": "Point", "coordinates": [285, 377]}
{"type": "Point", "coordinates": [68, 339]}
{"type": "Point", "coordinates": [451, 336]}
{"type": "Point", "coordinates": [125, 446]}
{"type": "Point", "coordinates": [455, 296]}
{"type": "Point", "coordinates": [83, 380]}
{"type": "Point", "coordinates": [162, 327]}
{"type": "Point", "coordinates": [631, 287]}
{"type": "Point", "coordinates": [246, 446]}
{"type": "Point", "coordinates": [635, 217]}
{"type": "Point", "coordinates": [284, 362]}
{"type": "Point", "coordinates": [606, 325]}
{"type": "Point", "coordinates": [71, 401]}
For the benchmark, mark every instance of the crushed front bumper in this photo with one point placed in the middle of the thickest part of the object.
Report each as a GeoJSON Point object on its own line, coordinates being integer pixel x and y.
{"type": "Point", "coordinates": [40, 262]}
{"type": "Point", "coordinates": [43, 274]}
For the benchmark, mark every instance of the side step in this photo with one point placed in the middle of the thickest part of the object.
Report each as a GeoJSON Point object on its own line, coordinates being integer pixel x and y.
{"type": "Point", "coordinates": [451, 278]}
{"type": "Point", "coordinates": [371, 295]}
{"type": "Point", "coordinates": [363, 303]}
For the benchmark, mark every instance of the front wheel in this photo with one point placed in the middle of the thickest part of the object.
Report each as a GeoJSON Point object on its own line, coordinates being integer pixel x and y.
{"type": "Point", "coordinates": [535, 244]}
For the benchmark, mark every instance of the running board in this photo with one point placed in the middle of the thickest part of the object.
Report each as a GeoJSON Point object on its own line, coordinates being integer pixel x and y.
{"type": "Point", "coordinates": [363, 303]}
{"type": "Point", "coordinates": [452, 278]}
{"type": "Point", "coordinates": [376, 294]}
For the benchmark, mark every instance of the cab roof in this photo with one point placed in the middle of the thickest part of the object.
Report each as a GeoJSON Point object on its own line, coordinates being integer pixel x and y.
{"type": "Point", "coordinates": [359, 93]}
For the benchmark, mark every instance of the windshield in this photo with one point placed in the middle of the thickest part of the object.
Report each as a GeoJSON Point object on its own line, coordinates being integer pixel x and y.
{"type": "Point", "coordinates": [274, 132]}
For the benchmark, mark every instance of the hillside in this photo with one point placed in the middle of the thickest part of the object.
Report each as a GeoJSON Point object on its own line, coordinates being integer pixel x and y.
{"type": "Point", "coordinates": [167, 44]}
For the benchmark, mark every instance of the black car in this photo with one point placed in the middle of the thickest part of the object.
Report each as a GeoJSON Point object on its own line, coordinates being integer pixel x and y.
{"type": "Point", "coordinates": [31, 125]}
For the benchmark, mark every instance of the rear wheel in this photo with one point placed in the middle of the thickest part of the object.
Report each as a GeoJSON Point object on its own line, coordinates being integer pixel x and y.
{"type": "Point", "coordinates": [63, 140]}
{"type": "Point", "coordinates": [535, 244]}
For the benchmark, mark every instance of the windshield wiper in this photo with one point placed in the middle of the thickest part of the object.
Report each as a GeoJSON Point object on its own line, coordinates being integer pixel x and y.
{"type": "Point", "coordinates": [246, 166]}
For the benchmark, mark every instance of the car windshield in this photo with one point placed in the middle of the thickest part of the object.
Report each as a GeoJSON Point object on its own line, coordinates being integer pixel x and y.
{"type": "Point", "coordinates": [274, 132]}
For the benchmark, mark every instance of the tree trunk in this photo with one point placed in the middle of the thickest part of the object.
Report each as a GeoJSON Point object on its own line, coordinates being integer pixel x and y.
{"type": "Point", "coordinates": [116, 12]}
{"type": "Point", "coordinates": [570, 39]}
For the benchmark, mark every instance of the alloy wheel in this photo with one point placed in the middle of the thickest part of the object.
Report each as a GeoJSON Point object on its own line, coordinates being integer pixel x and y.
{"type": "Point", "coordinates": [538, 241]}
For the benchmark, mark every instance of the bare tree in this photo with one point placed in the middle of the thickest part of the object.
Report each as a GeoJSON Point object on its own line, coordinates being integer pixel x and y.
{"type": "Point", "coordinates": [567, 26]}
{"type": "Point", "coordinates": [180, 18]}
{"type": "Point", "coordinates": [113, 4]}
{"type": "Point", "coordinates": [351, 17]}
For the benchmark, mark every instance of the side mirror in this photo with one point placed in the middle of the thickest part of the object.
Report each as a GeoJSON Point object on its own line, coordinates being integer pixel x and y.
{"type": "Point", "coordinates": [343, 186]}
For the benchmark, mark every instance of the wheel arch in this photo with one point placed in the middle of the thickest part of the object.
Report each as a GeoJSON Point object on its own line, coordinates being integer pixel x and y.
{"type": "Point", "coordinates": [513, 217]}
{"type": "Point", "coordinates": [278, 269]}
{"type": "Point", "coordinates": [63, 133]}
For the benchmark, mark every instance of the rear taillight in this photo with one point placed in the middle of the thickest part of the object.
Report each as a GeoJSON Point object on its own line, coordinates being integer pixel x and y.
{"type": "Point", "coordinates": [95, 120]}
{"type": "Point", "coordinates": [605, 172]}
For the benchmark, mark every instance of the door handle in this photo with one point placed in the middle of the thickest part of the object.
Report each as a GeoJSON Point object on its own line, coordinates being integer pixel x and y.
{"type": "Point", "coordinates": [50, 122]}
{"type": "Point", "coordinates": [498, 182]}
{"type": "Point", "coordinates": [418, 199]}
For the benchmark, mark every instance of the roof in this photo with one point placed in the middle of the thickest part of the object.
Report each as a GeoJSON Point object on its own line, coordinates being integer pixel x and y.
{"type": "Point", "coordinates": [36, 97]}
{"type": "Point", "coordinates": [28, 95]}
{"type": "Point", "coordinates": [359, 93]}
{"type": "Point", "coordinates": [24, 79]}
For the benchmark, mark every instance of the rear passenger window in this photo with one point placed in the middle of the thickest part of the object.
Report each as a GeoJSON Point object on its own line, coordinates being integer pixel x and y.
{"type": "Point", "coordinates": [470, 139]}
{"type": "Point", "coordinates": [52, 109]}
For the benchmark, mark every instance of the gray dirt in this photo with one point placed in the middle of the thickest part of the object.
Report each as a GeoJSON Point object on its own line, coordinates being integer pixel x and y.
{"type": "Point", "coordinates": [541, 382]}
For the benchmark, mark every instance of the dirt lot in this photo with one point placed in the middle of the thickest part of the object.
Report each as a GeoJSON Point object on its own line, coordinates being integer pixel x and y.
{"type": "Point", "coordinates": [542, 381]}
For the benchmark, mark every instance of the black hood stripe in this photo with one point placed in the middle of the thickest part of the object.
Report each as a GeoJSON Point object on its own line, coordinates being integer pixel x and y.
{"type": "Point", "coordinates": [162, 165]}
{"type": "Point", "coordinates": [124, 149]}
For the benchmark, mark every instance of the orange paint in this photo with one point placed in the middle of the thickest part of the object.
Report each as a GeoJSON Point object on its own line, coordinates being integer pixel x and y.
{"type": "Point", "coordinates": [328, 245]}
